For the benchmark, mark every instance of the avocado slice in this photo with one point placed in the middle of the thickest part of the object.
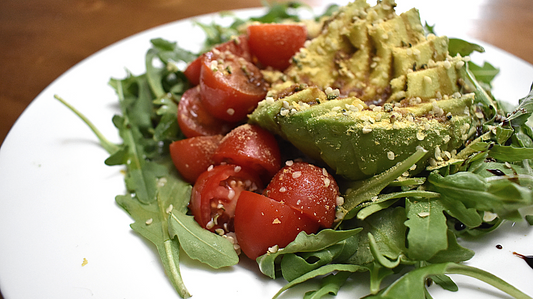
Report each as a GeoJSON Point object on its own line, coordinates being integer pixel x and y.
{"type": "Point", "coordinates": [359, 141]}
{"type": "Point", "coordinates": [354, 52]}
{"type": "Point", "coordinates": [369, 90]}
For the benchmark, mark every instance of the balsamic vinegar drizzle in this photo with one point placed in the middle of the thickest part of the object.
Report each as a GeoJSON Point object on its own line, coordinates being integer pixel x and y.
{"type": "Point", "coordinates": [527, 258]}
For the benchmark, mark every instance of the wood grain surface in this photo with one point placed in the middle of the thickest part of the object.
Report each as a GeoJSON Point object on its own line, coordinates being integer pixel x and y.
{"type": "Point", "coordinates": [41, 39]}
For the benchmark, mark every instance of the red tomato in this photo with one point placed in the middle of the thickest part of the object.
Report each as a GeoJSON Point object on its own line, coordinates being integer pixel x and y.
{"type": "Point", "coordinates": [194, 120]}
{"type": "Point", "coordinates": [192, 72]}
{"type": "Point", "coordinates": [307, 188]}
{"type": "Point", "coordinates": [275, 44]}
{"type": "Point", "coordinates": [215, 195]}
{"type": "Point", "coordinates": [251, 147]}
{"type": "Point", "coordinates": [261, 222]}
{"type": "Point", "coordinates": [230, 85]}
{"type": "Point", "coordinates": [238, 46]}
{"type": "Point", "coordinates": [192, 156]}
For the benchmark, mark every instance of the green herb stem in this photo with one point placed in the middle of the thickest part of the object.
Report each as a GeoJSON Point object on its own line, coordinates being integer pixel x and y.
{"type": "Point", "coordinates": [174, 270]}
{"type": "Point", "coordinates": [104, 142]}
{"type": "Point", "coordinates": [486, 277]}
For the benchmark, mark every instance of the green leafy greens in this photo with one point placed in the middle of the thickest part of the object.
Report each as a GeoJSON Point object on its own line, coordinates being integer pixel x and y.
{"type": "Point", "coordinates": [389, 223]}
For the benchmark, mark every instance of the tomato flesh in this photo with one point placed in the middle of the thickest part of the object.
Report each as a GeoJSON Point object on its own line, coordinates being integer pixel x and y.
{"type": "Point", "coordinates": [215, 195]}
{"type": "Point", "coordinates": [193, 118]}
{"type": "Point", "coordinates": [238, 46]}
{"type": "Point", "coordinates": [275, 44]}
{"type": "Point", "coordinates": [251, 147]}
{"type": "Point", "coordinates": [307, 188]}
{"type": "Point", "coordinates": [192, 156]}
{"type": "Point", "coordinates": [230, 85]}
{"type": "Point", "coordinates": [261, 223]}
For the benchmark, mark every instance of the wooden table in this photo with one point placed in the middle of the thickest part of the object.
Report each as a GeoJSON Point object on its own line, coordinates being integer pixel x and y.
{"type": "Point", "coordinates": [41, 39]}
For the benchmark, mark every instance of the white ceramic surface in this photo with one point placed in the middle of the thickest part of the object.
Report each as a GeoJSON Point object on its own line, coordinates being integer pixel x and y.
{"type": "Point", "coordinates": [57, 203]}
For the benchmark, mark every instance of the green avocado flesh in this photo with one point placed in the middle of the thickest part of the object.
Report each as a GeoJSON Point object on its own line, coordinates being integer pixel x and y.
{"type": "Point", "coordinates": [359, 142]}
{"type": "Point", "coordinates": [369, 90]}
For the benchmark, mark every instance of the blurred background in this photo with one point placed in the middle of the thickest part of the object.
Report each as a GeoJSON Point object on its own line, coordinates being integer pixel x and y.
{"type": "Point", "coordinates": [41, 39]}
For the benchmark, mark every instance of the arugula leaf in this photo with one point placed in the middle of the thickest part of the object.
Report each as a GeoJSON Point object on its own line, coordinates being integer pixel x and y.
{"type": "Point", "coordinates": [378, 273]}
{"type": "Point", "coordinates": [413, 283]}
{"type": "Point", "coordinates": [361, 191]}
{"type": "Point", "coordinates": [388, 229]}
{"type": "Point", "coordinates": [201, 244]}
{"type": "Point", "coordinates": [524, 110]}
{"type": "Point", "coordinates": [151, 223]}
{"type": "Point", "coordinates": [485, 73]}
{"type": "Point", "coordinates": [429, 29]}
{"type": "Point", "coordinates": [510, 153]}
{"type": "Point", "coordinates": [330, 285]}
{"type": "Point", "coordinates": [386, 200]}
{"type": "Point", "coordinates": [304, 243]}
{"type": "Point", "coordinates": [444, 282]}
{"type": "Point", "coordinates": [427, 233]}
{"type": "Point", "coordinates": [216, 34]}
{"type": "Point", "coordinates": [110, 147]}
{"type": "Point", "coordinates": [296, 265]}
{"type": "Point", "coordinates": [324, 270]}
{"type": "Point", "coordinates": [380, 258]}
{"type": "Point", "coordinates": [168, 53]}
{"type": "Point", "coordinates": [142, 174]}
{"type": "Point", "coordinates": [498, 195]}
{"type": "Point", "coordinates": [462, 47]}
{"type": "Point", "coordinates": [279, 12]}
{"type": "Point", "coordinates": [457, 209]}
{"type": "Point", "coordinates": [453, 253]}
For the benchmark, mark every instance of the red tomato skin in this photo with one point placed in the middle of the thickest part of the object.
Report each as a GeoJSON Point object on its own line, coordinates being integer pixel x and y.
{"type": "Point", "coordinates": [251, 147]}
{"type": "Point", "coordinates": [306, 188]}
{"type": "Point", "coordinates": [195, 120]}
{"type": "Point", "coordinates": [275, 44]}
{"type": "Point", "coordinates": [213, 188]}
{"type": "Point", "coordinates": [192, 156]}
{"type": "Point", "coordinates": [192, 72]}
{"type": "Point", "coordinates": [261, 222]}
{"type": "Point", "coordinates": [239, 47]}
{"type": "Point", "coordinates": [231, 89]}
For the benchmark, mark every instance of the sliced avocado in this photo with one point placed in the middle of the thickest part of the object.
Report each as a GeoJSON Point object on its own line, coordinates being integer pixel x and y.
{"type": "Point", "coordinates": [370, 89]}
{"type": "Point", "coordinates": [418, 56]}
{"type": "Point", "coordinates": [354, 52]}
{"type": "Point", "coordinates": [358, 141]}
{"type": "Point", "coordinates": [435, 80]}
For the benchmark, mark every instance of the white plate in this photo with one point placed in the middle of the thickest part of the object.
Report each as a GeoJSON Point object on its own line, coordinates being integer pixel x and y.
{"type": "Point", "coordinates": [57, 203]}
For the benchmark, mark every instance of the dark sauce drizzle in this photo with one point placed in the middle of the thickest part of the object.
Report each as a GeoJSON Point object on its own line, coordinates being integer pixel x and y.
{"type": "Point", "coordinates": [527, 258]}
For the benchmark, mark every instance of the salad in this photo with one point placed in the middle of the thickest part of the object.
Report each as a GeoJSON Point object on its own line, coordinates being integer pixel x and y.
{"type": "Point", "coordinates": [202, 174]}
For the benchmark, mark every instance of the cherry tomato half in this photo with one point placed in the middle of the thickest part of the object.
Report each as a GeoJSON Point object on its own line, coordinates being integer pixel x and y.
{"type": "Point", "coordinates": [192, 156]}
{"type": "Point", "coordinates": [275, 44]}
{"type": "Point", "coordinates": [192, 72]}
{"type": "Point", "coordinates": [261, 222]}
{"type": "Point", "coordinates": [237, 46]}
{"type": "Point", "coordinates": [251, 147]}
{"type": "Point", "coordinates": [307, 188]}
{"type": "Point", "coordinates": [230, 86]}
{"type": "Point", "coordinates": [216, 192]}
{"type": "Point", "coordinates": [193, 118]}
